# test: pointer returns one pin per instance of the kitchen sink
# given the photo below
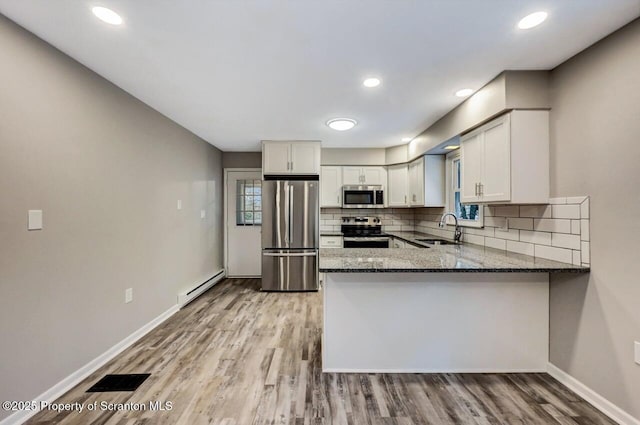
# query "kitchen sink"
(436, 241)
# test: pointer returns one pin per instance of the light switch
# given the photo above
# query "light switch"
(637, 351)
(35, 220)
(179, 204)
(203, 213)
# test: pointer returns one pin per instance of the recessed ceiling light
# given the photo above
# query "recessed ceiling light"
(451, 147)
(107, 15)
(371, 82)
(532, 20)
(342, 124)
(464, 92)
(407, 139)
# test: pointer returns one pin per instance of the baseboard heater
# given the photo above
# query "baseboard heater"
(186, 297)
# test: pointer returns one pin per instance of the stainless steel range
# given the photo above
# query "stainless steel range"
(363, 232)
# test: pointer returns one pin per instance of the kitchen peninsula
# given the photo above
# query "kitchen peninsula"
(442, 308)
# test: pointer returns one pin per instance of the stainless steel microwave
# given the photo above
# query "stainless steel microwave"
(362, 196)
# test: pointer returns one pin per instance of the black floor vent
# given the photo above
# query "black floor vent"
(128, 382)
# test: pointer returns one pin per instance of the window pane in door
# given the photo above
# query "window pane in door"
(249, 202)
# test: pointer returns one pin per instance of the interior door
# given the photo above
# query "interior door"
(244, 219)
(471, 156)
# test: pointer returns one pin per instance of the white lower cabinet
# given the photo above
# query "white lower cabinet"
(396, 243)
(330, 241)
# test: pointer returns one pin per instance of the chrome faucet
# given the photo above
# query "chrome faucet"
(458, 233)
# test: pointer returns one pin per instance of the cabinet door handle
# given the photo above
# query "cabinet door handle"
(338, 199)
(476, 193)
(481, 188)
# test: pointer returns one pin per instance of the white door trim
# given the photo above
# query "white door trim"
(224, 184)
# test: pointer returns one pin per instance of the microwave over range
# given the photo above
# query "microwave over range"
(362, 196)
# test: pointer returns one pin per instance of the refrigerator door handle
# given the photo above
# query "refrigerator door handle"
(290, 213)
(290, 254)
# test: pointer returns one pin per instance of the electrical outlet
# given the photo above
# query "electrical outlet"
(179, 204)
(637, 352)
(203, 213)
(34, 221)
(505, 224)
(128, 295)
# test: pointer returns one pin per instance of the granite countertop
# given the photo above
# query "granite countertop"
(435, 258)
(331, 233)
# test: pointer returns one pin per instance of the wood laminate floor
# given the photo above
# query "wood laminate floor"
(238, 356)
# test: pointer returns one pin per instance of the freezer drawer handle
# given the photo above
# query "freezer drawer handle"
(294, 254)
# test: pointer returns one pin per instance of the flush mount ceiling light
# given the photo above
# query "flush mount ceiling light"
(464, 92)
(407, 139)
(371, 82)
(107, 15)
(342, 124)
(451, 147)
(532, 20)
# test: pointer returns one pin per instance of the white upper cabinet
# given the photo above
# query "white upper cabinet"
(351, 175)
(290, 157)
(426, 180)
(397, 188)
(507, 160)
(331, 186)
(416, 182)
(364, 176)
(275, 157)
(374, 175)
(305, 158)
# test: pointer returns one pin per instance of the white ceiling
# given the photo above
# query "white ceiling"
(236, 72)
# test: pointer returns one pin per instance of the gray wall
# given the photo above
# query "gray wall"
(107, 170)
(353, 156)
(242, 160)
(509, 90)
(595, 150)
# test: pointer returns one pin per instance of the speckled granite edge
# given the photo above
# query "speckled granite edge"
(462, 258)
(453, 270)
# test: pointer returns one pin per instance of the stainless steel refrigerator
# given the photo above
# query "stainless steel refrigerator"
(290, 234)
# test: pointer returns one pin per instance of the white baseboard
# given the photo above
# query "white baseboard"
(357, 370)
(189, 295)
(598, 401)
(76, 377)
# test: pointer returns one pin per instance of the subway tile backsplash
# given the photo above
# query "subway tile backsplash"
(393, 219)
(558, 231)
